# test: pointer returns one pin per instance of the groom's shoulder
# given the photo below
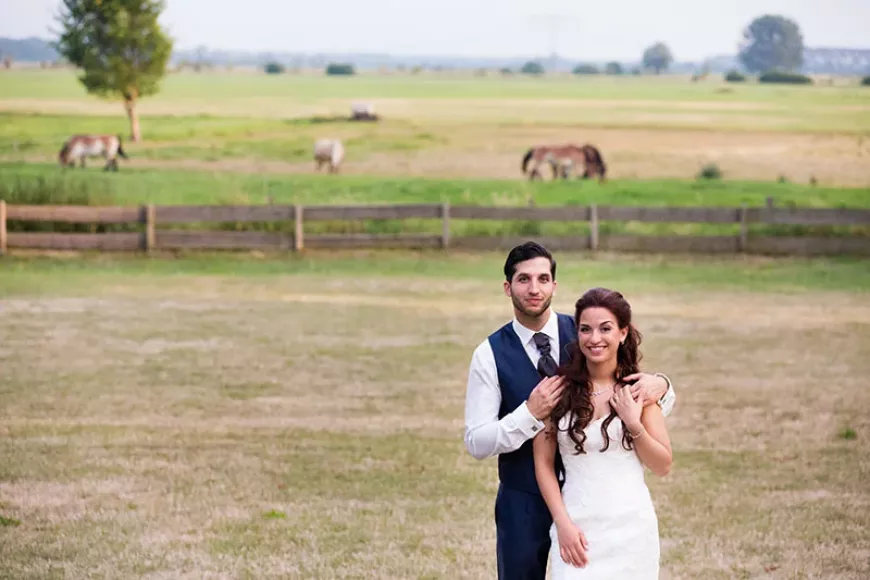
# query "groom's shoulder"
(565, 317)
(485, 346)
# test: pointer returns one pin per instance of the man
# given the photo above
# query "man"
(511, 389)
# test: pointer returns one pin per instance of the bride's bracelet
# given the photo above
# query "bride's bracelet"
(639, 433)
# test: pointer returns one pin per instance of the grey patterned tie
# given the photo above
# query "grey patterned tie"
(546, 364)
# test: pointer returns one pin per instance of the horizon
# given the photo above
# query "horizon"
(504, 29)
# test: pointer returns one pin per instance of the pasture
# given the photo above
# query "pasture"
(458, 127)
(260, 416)
(221, 416)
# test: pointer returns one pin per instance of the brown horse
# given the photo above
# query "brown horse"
(79, 147)
(563, 158)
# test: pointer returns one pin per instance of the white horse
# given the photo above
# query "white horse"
(79, 147)
(329, 151)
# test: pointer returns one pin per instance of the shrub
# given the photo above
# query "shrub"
(613, 68)
(865, 82)
(710, 171)
(273, 68)
(340, 69)
(735, 76)
(586, 69)
(532, 68)
(785, 78)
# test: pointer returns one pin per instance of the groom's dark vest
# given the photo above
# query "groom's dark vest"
(516, 378)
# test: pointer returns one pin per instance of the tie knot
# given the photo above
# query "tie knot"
(542, 341)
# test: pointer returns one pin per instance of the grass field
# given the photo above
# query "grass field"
(262, 416)
(242, 417)
(648, 128)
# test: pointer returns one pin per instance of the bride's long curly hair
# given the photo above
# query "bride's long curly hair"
(576, 399)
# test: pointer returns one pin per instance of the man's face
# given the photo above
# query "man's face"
(532, 287)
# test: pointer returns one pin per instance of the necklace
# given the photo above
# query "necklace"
(596, 393)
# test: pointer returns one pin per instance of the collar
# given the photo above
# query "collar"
(551, 329)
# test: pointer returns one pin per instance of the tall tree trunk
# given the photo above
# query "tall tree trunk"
(135, 133)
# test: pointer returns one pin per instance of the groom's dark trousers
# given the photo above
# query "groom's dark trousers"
(522, 523)
(522, 520)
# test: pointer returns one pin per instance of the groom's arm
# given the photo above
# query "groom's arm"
(655, 388)
(485, 434)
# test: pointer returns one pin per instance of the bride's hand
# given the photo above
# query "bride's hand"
(626, 407)
(572, 544)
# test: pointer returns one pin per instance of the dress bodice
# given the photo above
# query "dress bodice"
(597, 479)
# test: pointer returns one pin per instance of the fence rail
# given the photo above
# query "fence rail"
(148, 219)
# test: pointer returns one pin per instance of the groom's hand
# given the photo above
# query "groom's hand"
(545, 396)
(647, 388)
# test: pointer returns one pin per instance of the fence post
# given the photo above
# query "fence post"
(298, 238)
(744, 228)
(150, 233)
(445, 224)
(2, 227)
(593, 227)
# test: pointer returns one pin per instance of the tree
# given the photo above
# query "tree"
(586, 69)
(613, 68)
(772, 42)
(657, 57)
(532, 68)
(340, 69)
(201, 62)
(273, 68)
(119, 46)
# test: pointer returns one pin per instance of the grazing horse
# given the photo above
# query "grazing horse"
(329, 151)
(563, 158)
(79, 147)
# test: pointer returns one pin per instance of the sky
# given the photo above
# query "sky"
(581, 29)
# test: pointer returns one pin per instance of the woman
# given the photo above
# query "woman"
(604, 522)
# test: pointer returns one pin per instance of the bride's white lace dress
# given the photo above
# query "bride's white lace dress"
(606, 496)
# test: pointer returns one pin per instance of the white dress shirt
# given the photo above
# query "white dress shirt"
(485, 434)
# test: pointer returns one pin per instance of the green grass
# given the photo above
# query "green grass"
(34, 84)
(21, 276)
(170, 187)
(667, 102)
(31, 183)
(208, 138)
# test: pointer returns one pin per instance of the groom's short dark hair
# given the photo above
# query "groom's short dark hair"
(524, 252)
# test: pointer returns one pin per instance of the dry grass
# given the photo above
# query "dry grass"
(202, 427)
(496, 152)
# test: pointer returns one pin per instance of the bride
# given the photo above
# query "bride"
(604, 522)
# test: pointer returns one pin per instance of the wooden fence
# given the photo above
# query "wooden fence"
(150, 236)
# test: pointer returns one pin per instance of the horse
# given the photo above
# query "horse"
(329, 151)
(363, 112)
(562, 159)
(79, 147)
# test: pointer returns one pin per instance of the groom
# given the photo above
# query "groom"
(511, 389)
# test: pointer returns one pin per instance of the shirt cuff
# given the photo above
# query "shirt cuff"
(526, 422)
(669, 398)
